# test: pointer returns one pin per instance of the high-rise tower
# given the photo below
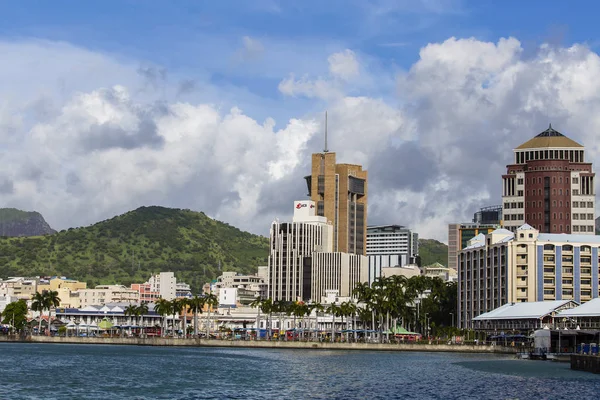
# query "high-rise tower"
(340, 193)
(550, 186)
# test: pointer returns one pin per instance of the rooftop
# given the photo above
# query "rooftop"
(528, 310)
(549, 138)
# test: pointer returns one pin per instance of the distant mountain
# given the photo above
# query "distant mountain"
(130, 247)
(15, 222)
(431, 251)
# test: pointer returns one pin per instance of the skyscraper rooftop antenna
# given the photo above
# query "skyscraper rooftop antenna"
(325, 150)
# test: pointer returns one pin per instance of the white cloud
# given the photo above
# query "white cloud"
(87, 137)
(343, 65)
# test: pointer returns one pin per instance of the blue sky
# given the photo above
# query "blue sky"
(202, 40)
(92, 92)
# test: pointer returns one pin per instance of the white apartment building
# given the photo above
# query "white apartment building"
(165, 284)
(254, 283)
(390, 246)
(105, 294)
(19, 287)
(302, 264)
(505, 267)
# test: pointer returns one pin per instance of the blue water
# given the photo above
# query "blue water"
(52, 371)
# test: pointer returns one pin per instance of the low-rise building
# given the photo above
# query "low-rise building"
(104, 294)
(19, 287)
(437, 270)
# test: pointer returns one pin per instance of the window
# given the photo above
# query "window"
(575, 216)
(590, 228)
(560, 215)
(575, 204)
(520, 181)
(519, 193)
(582, 216)
(554, 203)
(590, 216)
(506, 205)
(575, 192)
(575, 179)
(590, 204)
(520, 204)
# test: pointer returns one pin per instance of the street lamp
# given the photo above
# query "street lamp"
(452, 314)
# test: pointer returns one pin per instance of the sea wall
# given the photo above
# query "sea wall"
(587, 363)
(262, 344)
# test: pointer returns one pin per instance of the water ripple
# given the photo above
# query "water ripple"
(34, 371)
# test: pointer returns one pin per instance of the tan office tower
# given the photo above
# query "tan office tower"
(340, 192)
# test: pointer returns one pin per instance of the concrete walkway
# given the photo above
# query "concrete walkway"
(263, 344)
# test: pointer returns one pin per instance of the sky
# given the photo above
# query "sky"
(216, 106)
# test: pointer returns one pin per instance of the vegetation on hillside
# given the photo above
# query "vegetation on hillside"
(130, 247)
(432, 251)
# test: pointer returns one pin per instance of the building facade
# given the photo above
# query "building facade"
(105, 294)
(491, 215)
(549, 186)
(340, 195)
(460, 234)
(337, 272)
(390, 246)
(292, 245)
(525, 266)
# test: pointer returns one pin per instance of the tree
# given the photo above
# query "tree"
(184, 304)
(334, 310)
(51, 300)
(38, 305)
(15, 314)
(130, 311)
(140, 311)
(256, 303)
(196, 303)
(163, 307)
(210, 300)
(266, 306)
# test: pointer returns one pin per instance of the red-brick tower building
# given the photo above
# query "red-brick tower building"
(550, 186)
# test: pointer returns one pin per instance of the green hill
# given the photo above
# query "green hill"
(130, 247)
(431, 251)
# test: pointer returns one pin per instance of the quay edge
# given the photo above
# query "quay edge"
(262, 344)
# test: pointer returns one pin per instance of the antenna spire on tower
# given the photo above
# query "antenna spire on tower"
(325, 150)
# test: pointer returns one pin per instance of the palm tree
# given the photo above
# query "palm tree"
(163, 307)
(266, 306)
(130, 311)
(334, 310)
(140, 311)
(184, 302)
(318, 308)
(38, 305)
(51, 300)
(347, 309)
(196, 303)
(256, 303)
(176, 306)
(210, 300)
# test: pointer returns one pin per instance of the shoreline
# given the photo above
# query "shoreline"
(252, 344)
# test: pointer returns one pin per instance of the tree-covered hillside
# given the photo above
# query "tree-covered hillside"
(431, 251)
(130, 247)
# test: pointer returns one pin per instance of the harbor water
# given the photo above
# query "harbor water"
(55, 371)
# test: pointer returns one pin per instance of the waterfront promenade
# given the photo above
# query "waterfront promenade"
(156, 341)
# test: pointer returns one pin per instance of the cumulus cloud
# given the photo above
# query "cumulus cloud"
(343, 64)
(92, 142)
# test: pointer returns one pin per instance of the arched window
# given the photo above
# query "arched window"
(549, 247)
(567, 247)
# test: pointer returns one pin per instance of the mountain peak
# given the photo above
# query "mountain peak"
(14, 222)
